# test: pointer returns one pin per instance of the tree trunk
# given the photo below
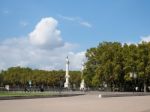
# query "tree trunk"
(145, 86)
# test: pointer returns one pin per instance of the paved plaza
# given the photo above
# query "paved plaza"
(83, 103)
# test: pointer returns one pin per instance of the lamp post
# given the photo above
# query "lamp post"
(133, 75)
(60, 85)
(30, 84)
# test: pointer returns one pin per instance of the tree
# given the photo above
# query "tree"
(144, 62)
(105, 63)
(1, 78)
(17, 76)
(112, 63)
(90, 66)
(75, 79)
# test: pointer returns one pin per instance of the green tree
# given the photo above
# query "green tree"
(144, 62)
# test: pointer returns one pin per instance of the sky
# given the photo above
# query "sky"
(41, 33)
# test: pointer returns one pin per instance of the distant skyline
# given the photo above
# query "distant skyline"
(41, 33)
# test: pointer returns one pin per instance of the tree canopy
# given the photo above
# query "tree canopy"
(112, 64)
(17, 76)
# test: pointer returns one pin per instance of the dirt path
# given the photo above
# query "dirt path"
(85, 103)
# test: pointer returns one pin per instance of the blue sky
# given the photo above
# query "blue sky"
(83, 23)
(111, 20)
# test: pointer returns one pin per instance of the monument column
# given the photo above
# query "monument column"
(66, 84)
(82, 84)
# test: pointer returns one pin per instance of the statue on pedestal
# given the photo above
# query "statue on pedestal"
(66, 84)
(82, 84)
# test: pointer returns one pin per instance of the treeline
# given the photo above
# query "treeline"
(110, 65)
(118, 66)
(17, 76)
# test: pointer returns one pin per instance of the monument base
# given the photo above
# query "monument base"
(82, 85)
(66, 85)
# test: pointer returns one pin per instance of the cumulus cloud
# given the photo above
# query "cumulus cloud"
(142, 39)
(76, 59)
(43, 48)
(46, 34)
(145, 38)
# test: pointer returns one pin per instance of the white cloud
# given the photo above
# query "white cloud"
(145, 38)
(142, 39)
(77, 20)
(46, 34)
(49, 54)
(129, 43)
(67, 18)
(76, 59)
(86, 24)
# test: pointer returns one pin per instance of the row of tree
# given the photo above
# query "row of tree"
(110, 65)
(17, 76)
(119, 66)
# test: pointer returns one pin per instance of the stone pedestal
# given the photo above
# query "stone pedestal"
(82, 85)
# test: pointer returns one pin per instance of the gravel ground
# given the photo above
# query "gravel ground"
(84, 103)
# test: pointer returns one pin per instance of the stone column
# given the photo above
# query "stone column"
(66, 84)
(82, 84)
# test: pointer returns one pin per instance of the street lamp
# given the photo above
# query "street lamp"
(133, 75)
(30, 84)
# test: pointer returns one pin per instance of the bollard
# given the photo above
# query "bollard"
(99, 96)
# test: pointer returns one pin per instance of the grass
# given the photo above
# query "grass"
(21, 93)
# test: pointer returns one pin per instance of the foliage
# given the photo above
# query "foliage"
(17, 76)
(112, 63)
